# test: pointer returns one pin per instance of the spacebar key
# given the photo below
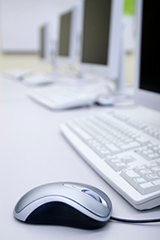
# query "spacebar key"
(79, 131)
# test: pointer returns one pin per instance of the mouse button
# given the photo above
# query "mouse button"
(92, 194)
(105, 199)
(84, 189)
(87, 191)
(92, 205)
(74, 193)
(97, 197)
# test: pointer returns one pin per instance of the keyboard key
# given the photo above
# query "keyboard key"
(79, 131)
(137, 181)
(128, 159)
(129, 175)
(116, 164)
(119, 166)
(156, 170)
(130, 146)
(148, 187)
(157, 183)
(137, 169)
(112, 148)
(153, 156)
(144, 172)
(151, 177)
(142, 140)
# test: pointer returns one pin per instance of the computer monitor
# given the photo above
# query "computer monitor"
(101, 37)
(147, 90)
(45, 43)
(68, 37)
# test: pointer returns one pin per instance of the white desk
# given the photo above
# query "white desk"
(33, 152)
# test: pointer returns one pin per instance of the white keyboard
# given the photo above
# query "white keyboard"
(18, 74)
(58, 96)
(38, 79)
(125, 152)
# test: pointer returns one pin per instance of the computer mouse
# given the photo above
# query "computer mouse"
(105, 100)
(65, 203)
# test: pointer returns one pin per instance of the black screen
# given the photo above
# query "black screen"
(150, 47)
(65, 29)
(96, 31)
(42, 42)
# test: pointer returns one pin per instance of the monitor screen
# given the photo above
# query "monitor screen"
(147, 87)
(64, 37)
(150, 50)
(68, 36)
(101, 37)
(45, 43)
(96, 31)
(42, 42)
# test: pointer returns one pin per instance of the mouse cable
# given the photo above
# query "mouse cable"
(135, 220)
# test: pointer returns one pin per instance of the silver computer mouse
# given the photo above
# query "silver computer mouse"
(65, 203)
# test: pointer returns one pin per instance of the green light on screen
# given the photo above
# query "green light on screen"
(129, 7)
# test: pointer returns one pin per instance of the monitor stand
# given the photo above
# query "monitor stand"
(119, 94)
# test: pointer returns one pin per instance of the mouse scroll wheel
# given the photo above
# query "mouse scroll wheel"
(92, 194)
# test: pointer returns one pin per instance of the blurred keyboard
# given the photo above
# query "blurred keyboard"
(38, 79)
(59, 96)
(18, 74)
(124, 151)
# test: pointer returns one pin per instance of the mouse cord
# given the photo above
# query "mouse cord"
(135, 220)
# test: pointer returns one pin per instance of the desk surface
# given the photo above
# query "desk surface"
(34, 152)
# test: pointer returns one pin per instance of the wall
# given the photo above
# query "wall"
(21, 19)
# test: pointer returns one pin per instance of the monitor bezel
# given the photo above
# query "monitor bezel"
(112, 69)
(143, 97)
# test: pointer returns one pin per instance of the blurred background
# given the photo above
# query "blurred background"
(20, 21)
